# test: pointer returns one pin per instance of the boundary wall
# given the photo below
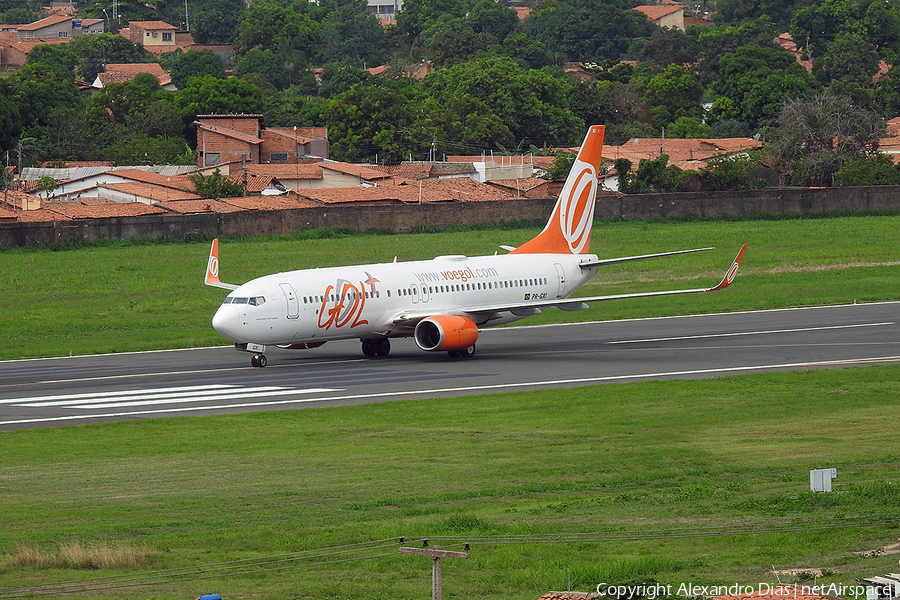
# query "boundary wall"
(401, 218)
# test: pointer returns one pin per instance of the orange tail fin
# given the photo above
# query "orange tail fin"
(569, 229)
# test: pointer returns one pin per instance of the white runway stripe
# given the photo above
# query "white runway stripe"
(151, 397)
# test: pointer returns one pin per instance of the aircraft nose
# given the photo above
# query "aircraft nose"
(227, 322)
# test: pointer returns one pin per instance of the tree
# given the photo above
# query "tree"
(418, 16)
(492, 17)
(817, 136)
(96, 51)
(271, 27)
(208, 95)
(339, 77)
(669, 46)
(37, 89)
(532, 104)
(677, 91)
(264, 62)
(755, 82)
(58, 56)
(735, 12)
(353, 34)
(731, 172)
(216, 186)
(688, 128)
(465, 125)
(849, 58)
(453, 47)
(146, 150)
(195, 63)
(877, 169)
(10, 123)
(562, 164)
(214, 21)
(572, 29)
(369, 121)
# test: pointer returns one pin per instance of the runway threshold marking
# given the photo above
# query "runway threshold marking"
(157, 396)
(743, 333)
(478, 388)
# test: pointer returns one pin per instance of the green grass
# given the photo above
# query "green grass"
(189, 492)
(615, 458)
(121, 297)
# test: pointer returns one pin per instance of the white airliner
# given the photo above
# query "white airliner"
(441, 303)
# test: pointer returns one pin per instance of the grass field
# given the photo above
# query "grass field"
(624, 462)
(138, 297)
(616, 459)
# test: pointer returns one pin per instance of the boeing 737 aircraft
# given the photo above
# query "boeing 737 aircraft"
(441, 303)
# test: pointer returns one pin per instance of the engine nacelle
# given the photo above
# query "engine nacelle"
(446, 332)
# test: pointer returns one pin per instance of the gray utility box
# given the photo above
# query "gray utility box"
(820, 479)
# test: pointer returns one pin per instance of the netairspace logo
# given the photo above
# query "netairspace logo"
(651, 591)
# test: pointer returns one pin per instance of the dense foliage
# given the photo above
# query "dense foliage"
(498, 82)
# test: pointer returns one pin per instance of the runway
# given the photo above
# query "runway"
(88, 389)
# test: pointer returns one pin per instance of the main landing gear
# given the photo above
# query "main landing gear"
(464, 353)
(376, 347)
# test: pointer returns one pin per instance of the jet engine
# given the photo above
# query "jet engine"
(446, 332)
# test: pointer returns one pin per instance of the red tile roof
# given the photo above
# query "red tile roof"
(178, 182)
(229, 133)
(286, 202)
(430, 190)
(654, 13)
(361, 172)
(128, 209)
(285, 172)
(150, 192)
(198, 206)
(47, 22)
(157, 25)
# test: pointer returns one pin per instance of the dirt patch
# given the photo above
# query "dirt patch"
(889, 549)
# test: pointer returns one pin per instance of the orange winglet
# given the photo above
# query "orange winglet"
(731, 272)
(569, 229)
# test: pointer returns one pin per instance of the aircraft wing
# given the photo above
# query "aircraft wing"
(624, 259)
(581, 303)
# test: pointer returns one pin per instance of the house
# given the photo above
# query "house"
(151, 33)
(686, 154)
(664, 15)
(385, 9)
(60, 26)
(14, 52)
(497, 167)
(244, 138)
(120, 73)
(291, 176)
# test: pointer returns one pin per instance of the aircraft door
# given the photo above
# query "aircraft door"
(293, 302)
(561, 274)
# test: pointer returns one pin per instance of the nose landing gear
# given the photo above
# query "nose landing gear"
(258, 360)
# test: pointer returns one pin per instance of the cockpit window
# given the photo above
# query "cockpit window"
(255, 301)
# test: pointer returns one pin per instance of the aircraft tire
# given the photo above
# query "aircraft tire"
(368, 347)
(382, 346)
(467, 352)
(258, 360)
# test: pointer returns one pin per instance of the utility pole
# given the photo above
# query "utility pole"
(436, 555)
